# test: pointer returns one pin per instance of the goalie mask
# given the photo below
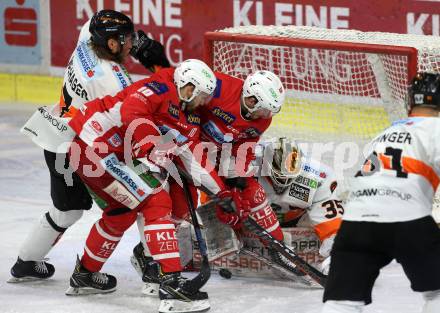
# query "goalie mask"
(267, 88)
(285, 165)
(199, 74)
(424, 91)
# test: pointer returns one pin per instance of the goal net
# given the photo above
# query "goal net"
(343, 86)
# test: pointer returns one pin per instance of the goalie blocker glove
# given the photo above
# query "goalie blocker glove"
(149, 52)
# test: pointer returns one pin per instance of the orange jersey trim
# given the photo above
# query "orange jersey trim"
(328, 228)
(204, 198)
(413, 166)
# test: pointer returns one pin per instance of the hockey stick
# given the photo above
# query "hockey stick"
(279, 270)
(287, 252)
(205, 270)
(277, 245)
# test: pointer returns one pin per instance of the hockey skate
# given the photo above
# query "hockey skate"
(151, 279)
(84, 282)
(177, 295)
(25, 271)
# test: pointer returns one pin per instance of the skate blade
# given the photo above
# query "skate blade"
(15, 280)
(136, 265)
(83, 291)
(177, 306)
(150, 289)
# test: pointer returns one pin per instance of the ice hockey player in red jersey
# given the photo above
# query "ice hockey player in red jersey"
(389, 209)
(239, 113)
(234, 120)
(150, 121)
(95, 69)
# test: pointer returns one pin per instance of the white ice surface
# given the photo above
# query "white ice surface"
(24, 197)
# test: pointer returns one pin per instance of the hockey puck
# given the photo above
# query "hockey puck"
(225, 273)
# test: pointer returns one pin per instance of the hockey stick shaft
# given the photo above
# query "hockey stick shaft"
(205, 270)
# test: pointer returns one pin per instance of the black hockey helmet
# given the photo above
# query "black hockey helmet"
(107, 24)
(424, 91)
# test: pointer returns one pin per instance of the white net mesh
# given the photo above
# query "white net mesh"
(341, 96)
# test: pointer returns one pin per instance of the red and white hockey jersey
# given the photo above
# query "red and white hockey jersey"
(398, 180)
(310, 200)
(87, 77)
(131, 121)
(222, 123)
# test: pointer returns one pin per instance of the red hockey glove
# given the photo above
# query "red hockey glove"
(237, 211)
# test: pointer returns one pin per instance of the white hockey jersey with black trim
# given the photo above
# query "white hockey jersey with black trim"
(86, 77)
(313, 193)
(399, 178)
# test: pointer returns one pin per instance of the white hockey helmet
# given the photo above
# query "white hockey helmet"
(267, 88)
(285, 164)
(197, 73)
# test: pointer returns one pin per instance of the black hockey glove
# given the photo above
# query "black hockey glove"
(236, 182)
(149, 52)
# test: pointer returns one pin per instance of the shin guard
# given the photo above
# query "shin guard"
(100, 245)
(160, 236)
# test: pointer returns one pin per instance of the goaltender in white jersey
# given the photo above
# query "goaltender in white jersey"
(303, 193)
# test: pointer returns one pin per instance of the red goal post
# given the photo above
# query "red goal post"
(211, 37)
(331, 71)
(343, 86)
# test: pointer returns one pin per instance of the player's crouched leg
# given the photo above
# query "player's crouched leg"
(176, 293)
(102, 241)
